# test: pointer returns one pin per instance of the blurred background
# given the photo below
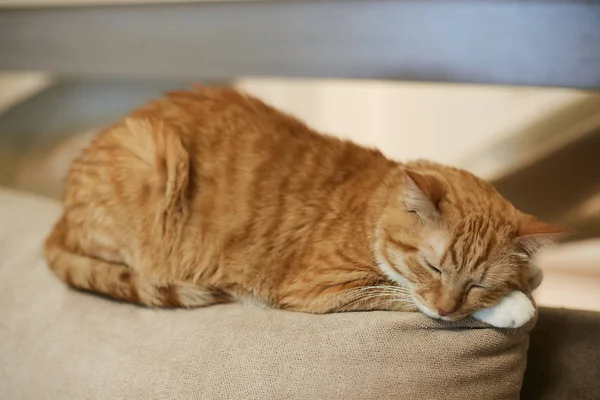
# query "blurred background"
(537, 141)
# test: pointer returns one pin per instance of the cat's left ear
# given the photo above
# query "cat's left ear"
(534, 234)
(423, 194)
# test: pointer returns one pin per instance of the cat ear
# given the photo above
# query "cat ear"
(534, 234)
(422, 194)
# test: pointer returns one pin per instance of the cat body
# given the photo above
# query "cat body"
(211, 196)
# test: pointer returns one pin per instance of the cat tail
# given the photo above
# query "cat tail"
(118, 281)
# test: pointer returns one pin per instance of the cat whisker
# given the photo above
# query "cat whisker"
(391, 301)
(386, 289)
(391, 287)
(355, 297)
(363, 294)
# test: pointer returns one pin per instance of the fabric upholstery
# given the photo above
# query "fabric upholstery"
(56, 343)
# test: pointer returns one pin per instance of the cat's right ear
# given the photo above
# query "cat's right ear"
(534, 234)
(423, 194)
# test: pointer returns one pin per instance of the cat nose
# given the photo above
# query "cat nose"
(443, 312)
(445, 309)
(446, 304)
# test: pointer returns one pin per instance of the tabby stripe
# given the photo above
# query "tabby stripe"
(346, 258)
(389, 262)
(220, 296)
(127, 279)
(168, 296)
(403, 246)
(486, 253)
(452, 250)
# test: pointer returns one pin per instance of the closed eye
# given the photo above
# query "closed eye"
(431, 267)
(477, 286)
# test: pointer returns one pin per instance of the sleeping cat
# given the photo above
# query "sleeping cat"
(211, 196)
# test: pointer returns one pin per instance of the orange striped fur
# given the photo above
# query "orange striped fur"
(211, 196)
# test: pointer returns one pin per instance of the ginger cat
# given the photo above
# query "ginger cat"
(211, 196)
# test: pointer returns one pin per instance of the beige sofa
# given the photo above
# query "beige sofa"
(56, 343)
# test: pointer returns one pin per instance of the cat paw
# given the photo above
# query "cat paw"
(513, 311)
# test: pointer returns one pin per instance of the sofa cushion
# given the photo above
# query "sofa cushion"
(56, 343)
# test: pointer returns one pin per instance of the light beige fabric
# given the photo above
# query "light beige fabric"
(59, 344)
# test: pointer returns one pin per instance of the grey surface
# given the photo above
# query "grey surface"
(544, 42)
(70, 107)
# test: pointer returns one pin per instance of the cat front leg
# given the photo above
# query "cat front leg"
(513, 311)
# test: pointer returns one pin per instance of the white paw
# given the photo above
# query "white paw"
(513, 311)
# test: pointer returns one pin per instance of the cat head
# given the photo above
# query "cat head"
(455, 241)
